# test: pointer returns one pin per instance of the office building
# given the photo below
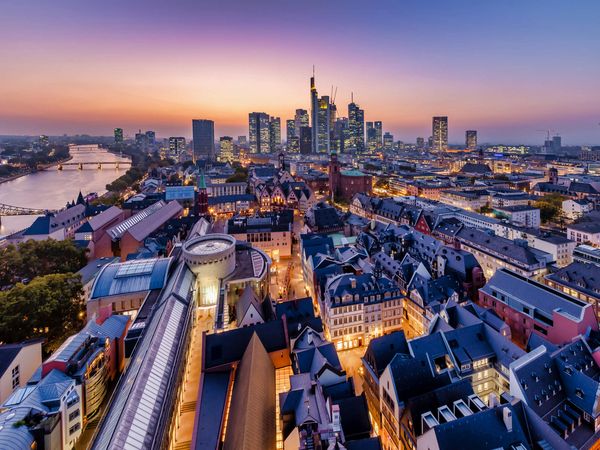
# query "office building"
(341, 135)
(420, 143)
(356, 125)
(226, 149)
(440, 134)
(388, 141)
(259, 132)
(150, 137)
(305, 140)
(176, 147)
(471, 140)
(274, 134)
(371, 137)
(321, 120)
(292, 138)
(300, 120)
(378, 133)
(203, 132)
(118, 135)
(242, 142)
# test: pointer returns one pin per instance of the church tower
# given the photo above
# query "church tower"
(202, 194)
(334, 175)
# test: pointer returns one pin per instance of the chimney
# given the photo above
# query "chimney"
(507, 417)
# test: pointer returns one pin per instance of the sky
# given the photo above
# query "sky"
(506, 68)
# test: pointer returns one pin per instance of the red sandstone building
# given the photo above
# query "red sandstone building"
(344, 184)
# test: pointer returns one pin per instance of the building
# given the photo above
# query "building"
(305, 140)
(440, 134)
(18, 362)
(95, 228)
(270, 232)
(292, 138)
(58, 226)
(226, 149)
(118, 132)
(259, 132)
(585, 233)
(388, 141)
(203, 135)
(471, 140)
(356, 127)
(274, 134)
(321, 113)
(378, 133)
(323, 218)
(530, 307)
(344, 184)
(300, 120)
(574, 209)
(520, 215)
(579, 280)
(358, 308)
(177, 146)
(560, 385)
(587, 254)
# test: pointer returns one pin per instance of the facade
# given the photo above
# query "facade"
(58, 226)
(585, 233)
(388, 141)
(226, 149)
(520, 215)
(345, 184)
(272, 233)
(274, 134)
(321, 112)
(259, 132)
(177, 147)
(203, 135)
(471, 140)
(574, 209)
(440, 134)
(528, 306)
(356, 127)
(18, 362)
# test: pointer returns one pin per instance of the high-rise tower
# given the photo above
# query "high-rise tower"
(356, 125)
(440, 134)
(320, 119)
(203, 132)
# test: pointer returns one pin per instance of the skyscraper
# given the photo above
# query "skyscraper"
(176, 147)
(242, 141)
(371, 137)
(292, 139)
(118, 135)
(420, 143)
(379, 133)
(356, 125)
(320, 119)
(226, 149)
(274, 134)
(305, 140)
(259, 133)
(151, 137)
(440, 134)
(300, 120)
(203, 134)
(556, 144)
(471, 140)
(388, 141)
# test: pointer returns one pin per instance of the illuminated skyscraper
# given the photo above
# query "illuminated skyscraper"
(259, 133)
(440, 134)
(356, 125)
(176, 147)
(226, 149)
(379, 133)
(118, 135)
(203, 134)
(300, 120)
(371, 137)
(292, 139)
(320, 119)
(274, 134)
(388, 141)
(471, 140)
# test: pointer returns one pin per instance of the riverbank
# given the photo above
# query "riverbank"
(40, 168)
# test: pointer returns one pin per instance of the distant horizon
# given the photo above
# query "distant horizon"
(507, 70)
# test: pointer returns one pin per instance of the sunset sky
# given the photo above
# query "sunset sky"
(506, 68)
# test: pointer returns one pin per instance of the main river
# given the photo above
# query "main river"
(53, 188)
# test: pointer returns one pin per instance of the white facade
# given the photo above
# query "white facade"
(574, 209)
(582, 236)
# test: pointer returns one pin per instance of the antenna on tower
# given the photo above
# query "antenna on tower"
(351, 97)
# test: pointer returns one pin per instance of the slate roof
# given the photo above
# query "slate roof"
(381, 350)
(580, 276)
(586, 227)
(476, 168)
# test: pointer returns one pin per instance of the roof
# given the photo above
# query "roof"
(381, 350)
(101, 219)
(536, 295)
(586, 227)
(231, 198)
(353, 173)
(91, 269)
(222, 349)
(151, 223)
(580, 276)
(209, 417)
(8, 353)
(131, 276)
(251, 421)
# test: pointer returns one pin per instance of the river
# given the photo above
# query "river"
(53, 188)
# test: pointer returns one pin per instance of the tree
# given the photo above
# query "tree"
(50, 307)
(550, 207)
(31, 259)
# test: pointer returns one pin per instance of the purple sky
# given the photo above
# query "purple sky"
(505, 68)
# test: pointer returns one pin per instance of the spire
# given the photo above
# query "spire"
(80, 200)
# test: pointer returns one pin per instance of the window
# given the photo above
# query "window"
(74, 428)
(74, 415)
(16, 378)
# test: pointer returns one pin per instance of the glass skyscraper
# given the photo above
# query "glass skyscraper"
(356, 125)
(203, 134)
(274, 134)
(440, 134)
(471, 140)
(259, 132)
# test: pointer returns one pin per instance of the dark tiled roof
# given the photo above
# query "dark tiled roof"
(580, 276)
(381, 350)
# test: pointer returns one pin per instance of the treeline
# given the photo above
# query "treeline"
(140, 163)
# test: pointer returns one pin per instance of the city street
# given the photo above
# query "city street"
(352, 364)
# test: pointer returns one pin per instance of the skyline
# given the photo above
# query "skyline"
(505, 70)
